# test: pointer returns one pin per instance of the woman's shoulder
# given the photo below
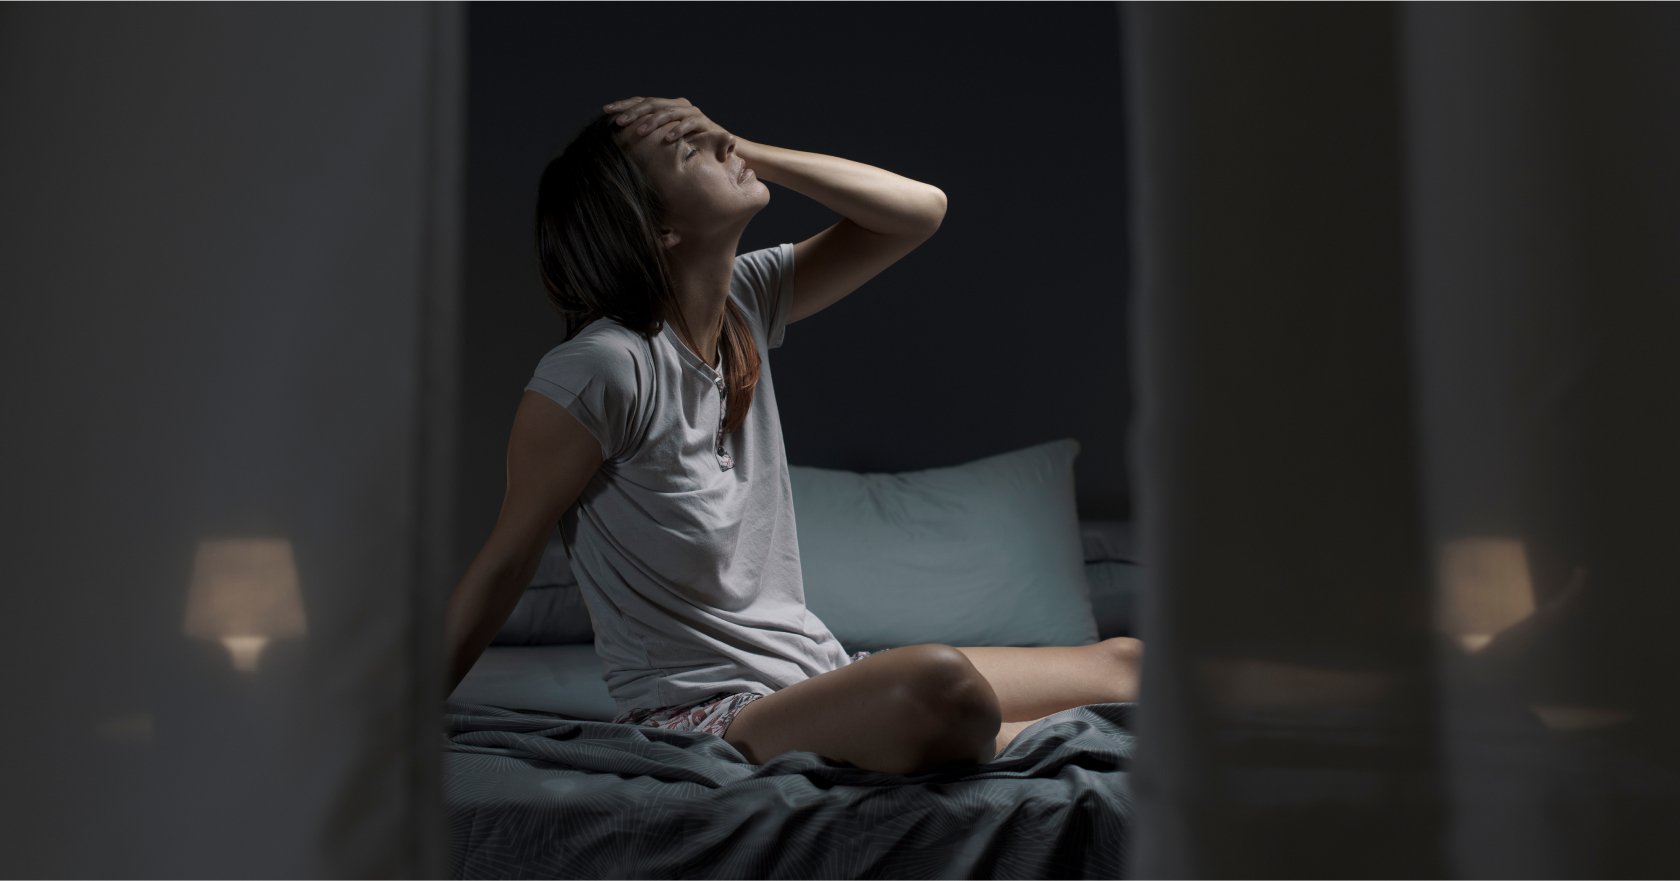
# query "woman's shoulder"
(604, 347)
(605, 336)
(761, 281)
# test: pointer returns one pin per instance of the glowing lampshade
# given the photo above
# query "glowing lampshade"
(1483, 587)
(244, 593)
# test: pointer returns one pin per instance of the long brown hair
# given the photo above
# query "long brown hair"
(599, 255)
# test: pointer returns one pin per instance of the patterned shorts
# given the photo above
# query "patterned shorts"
(711, 715)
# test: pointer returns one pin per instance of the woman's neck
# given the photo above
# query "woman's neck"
(707, 333)
(702, 291)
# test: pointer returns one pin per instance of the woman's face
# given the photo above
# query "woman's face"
(698, 177)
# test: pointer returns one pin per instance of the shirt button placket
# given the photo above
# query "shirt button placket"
(724, 459)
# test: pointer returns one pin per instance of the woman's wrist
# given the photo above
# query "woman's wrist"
(871, 197)
(754, 154)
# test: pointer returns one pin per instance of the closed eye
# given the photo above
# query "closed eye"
(690, 153)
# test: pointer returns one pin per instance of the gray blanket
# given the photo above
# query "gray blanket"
(535, 795)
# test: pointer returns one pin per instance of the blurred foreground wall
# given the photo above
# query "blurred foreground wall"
(227, 250)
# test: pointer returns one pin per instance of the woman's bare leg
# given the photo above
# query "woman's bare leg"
(910, 709)
(1007, 732)
(1031, 683)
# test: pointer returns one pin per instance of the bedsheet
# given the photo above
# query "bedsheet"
(540, 795)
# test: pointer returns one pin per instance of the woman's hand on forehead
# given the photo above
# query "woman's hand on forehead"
(650, 114)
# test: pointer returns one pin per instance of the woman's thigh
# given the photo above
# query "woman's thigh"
(908, 709)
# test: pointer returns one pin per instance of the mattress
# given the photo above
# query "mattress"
(563, 679)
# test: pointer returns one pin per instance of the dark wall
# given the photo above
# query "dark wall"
(1008, 328)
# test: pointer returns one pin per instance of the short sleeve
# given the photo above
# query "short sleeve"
(599, 381)
(765, 278)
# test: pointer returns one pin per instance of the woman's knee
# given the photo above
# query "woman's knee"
(959, 711)
(914, 708)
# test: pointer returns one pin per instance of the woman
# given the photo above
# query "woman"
(652, 435)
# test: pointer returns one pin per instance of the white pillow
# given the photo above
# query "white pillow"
(984, 553)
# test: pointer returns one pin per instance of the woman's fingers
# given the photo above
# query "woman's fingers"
(661, 117)
(636, 114)
(640, 108)
(625, 109)
(644, 115)
(692, 120)
(636, 131)
(629, 109)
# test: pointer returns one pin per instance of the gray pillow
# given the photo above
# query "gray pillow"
(1116, 589)
(551, 611)
(1114, 574)
(554, 614)
(547, 614)
(984, 553)
(1108, 540)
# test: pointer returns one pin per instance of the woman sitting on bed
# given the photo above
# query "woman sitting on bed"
(652, 435)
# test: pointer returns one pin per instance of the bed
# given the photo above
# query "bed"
(538, 782)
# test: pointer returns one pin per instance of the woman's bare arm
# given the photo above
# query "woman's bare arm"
(551, 458)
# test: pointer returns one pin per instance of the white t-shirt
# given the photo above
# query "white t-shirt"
(684, 543)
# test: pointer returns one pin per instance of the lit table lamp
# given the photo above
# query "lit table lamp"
(244, 593)
(1483, 587)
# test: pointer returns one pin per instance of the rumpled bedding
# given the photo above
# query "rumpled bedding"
(537, 795)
